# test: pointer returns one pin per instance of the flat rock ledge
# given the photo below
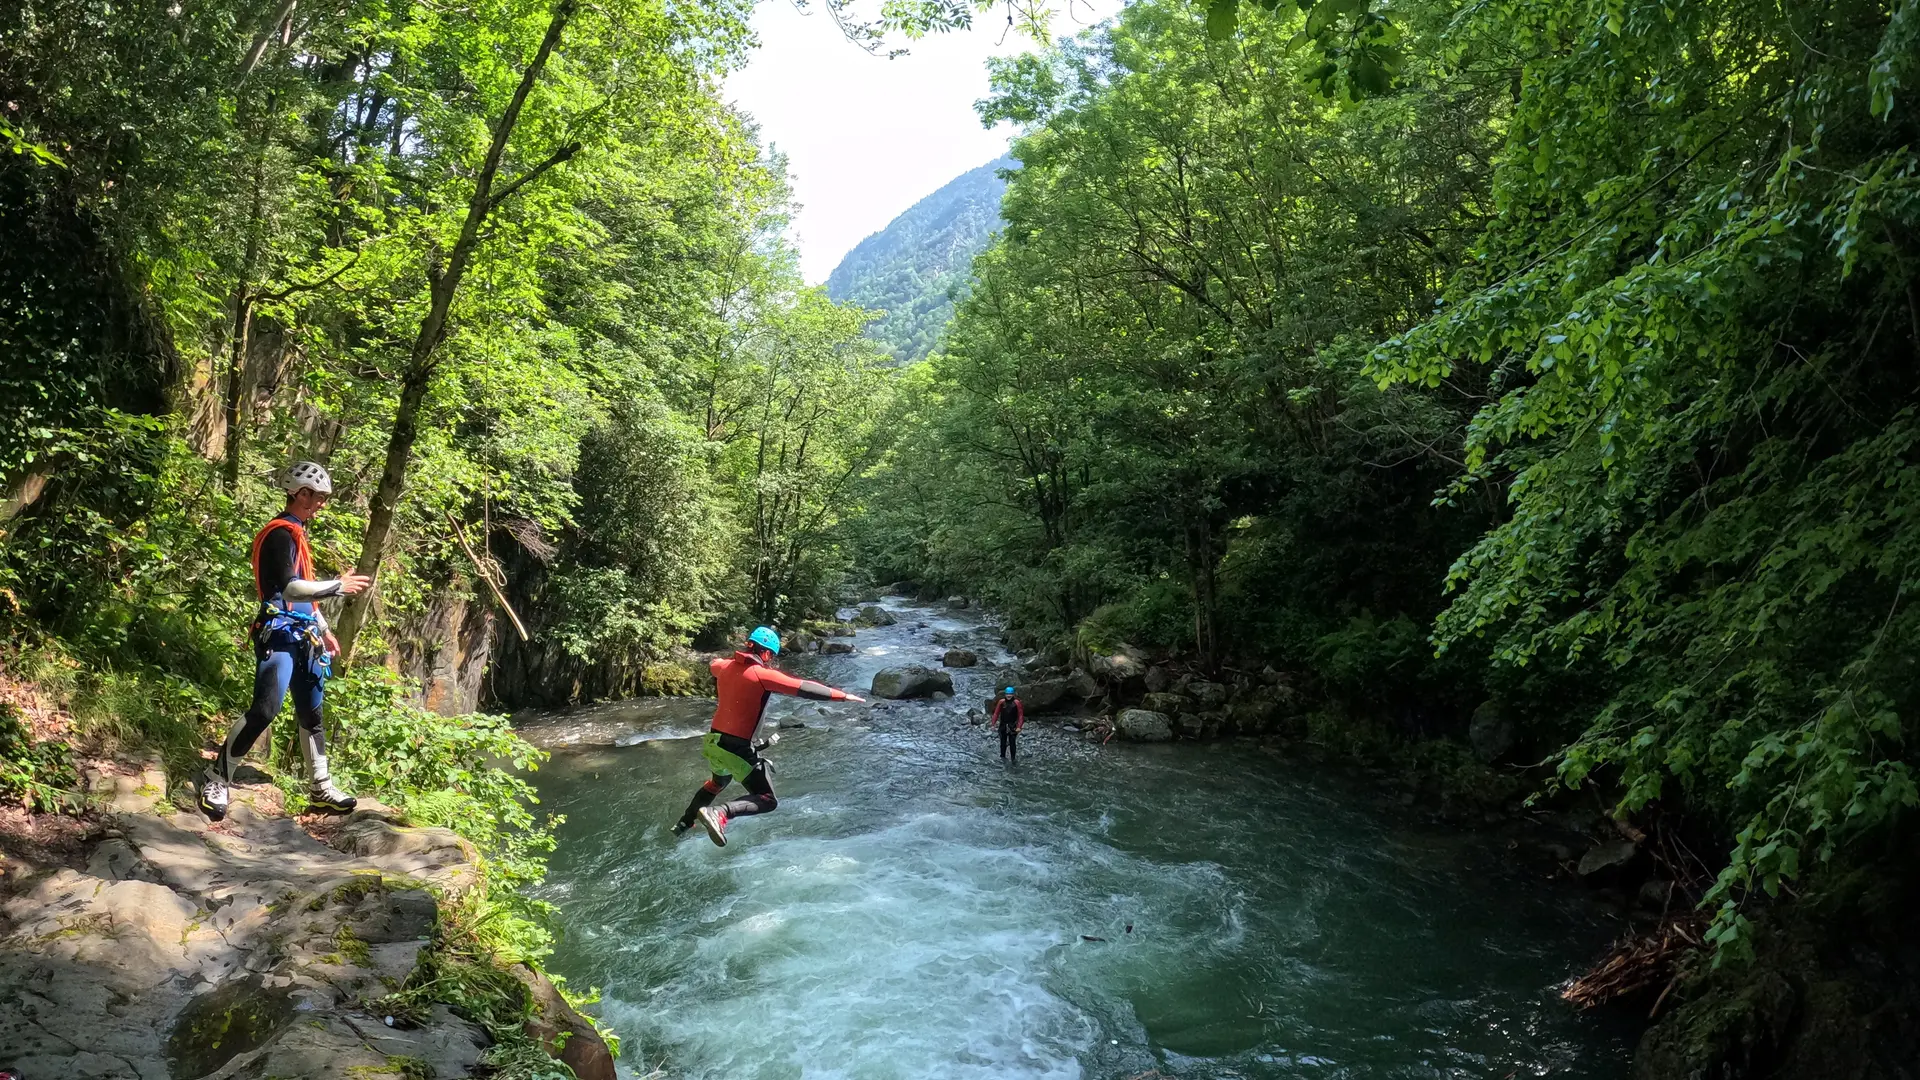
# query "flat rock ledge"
(246, 949)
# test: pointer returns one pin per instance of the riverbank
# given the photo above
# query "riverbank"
(139, 940)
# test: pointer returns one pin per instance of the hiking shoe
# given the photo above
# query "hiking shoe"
(716, 822)
(325, 796)
(213, 795)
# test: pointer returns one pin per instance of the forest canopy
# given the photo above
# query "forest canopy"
(1569, 371)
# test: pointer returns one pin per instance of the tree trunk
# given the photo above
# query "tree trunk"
(422, 362)
(243, 298)
(1200, 567)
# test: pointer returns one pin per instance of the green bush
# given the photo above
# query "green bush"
(464, 773)
(38, 775)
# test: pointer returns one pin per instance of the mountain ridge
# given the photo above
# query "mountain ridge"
(915, 267)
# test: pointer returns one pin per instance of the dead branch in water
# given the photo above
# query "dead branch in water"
(1639, 962)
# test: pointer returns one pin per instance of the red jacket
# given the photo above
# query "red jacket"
(744, 684)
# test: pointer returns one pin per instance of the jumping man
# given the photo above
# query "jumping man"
(291, 644)
(744, 682)
(1009, 715)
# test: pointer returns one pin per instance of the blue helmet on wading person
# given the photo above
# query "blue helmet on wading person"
(766, 639)
(1009, 691)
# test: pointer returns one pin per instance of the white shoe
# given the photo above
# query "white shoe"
(213, 795)
(715, 819)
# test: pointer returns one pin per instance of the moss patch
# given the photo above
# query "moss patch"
(224, 1023)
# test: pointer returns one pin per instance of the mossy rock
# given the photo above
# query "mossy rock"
(225, 1022)
(1732, 1031)
(676, 678)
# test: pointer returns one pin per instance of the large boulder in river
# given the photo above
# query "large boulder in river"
(958, 603)
(1122, 664)
(1210, 695)
(1255, 714)
(1081, 685)
(1171, 704)
(835, 648)
(911, 682)
(1043, 695)
(875, 615)
(1157, 679)
(1057, 695)
(1143, 725)
(960, 658)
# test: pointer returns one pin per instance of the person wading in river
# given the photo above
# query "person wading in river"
(744, 682)
(291, 645)
(1009, 715)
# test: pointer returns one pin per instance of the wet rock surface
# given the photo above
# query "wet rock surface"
(247, 948)
(875, 615)
(1142, 725)
(911, 682)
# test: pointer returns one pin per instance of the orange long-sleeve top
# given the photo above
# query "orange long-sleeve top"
(743, 683)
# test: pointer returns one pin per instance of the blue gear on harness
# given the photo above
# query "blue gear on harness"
(300, 625)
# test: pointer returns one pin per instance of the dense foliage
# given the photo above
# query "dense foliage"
(1156, 386)
(1630, 288)
(514, 268)
(911, 272)
(512, 271)
(1703, 342)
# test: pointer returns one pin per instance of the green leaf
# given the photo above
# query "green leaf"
(1223, 17)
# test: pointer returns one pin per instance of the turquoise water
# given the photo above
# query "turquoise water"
(915, 909)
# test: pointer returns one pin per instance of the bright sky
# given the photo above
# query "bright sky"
(867, 137)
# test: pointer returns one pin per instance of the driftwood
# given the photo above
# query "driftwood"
(1638, 962)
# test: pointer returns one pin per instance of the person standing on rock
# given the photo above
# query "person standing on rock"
(1009, 715)
(743, 683)
(292, 646)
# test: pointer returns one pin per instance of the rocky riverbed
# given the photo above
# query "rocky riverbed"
(156, 945)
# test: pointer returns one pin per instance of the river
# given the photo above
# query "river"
(916, 910)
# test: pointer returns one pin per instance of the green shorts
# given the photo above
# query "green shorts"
(723, 761)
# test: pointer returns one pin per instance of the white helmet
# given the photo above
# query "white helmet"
(308, 474)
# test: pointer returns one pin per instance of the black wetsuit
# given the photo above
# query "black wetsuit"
(1009, 721)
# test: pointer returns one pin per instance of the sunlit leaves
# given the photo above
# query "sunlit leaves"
(1706, 443)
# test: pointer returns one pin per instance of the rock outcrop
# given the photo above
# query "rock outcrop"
(875, 615)
(960, 658)
(566, 1034)
(244, 949)
(190, 950)
(911, 682)
(1142, 725)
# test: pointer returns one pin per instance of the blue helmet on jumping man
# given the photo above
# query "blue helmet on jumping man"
(766, 639)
